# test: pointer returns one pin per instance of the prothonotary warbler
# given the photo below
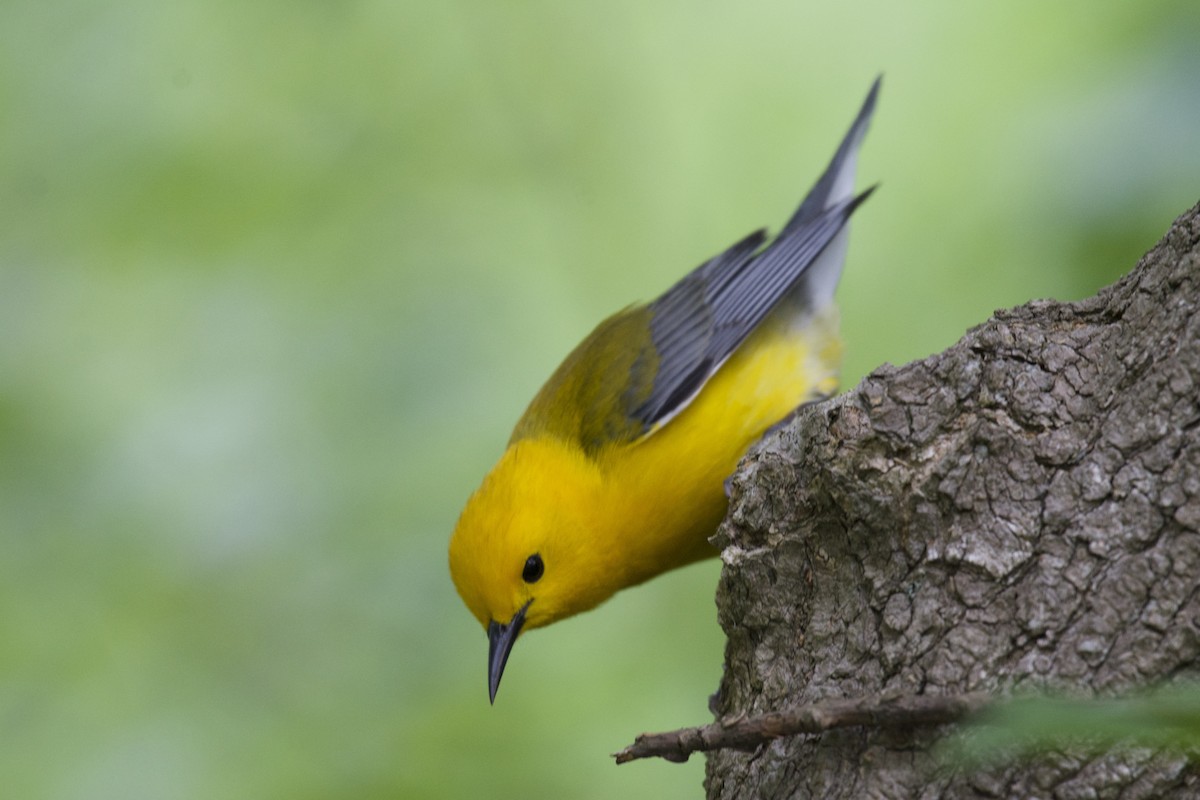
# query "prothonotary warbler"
(616, 471)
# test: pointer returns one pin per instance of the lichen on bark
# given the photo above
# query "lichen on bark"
(1019, 512)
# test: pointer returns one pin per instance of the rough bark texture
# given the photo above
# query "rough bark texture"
(1018, 512)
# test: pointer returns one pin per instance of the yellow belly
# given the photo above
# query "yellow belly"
(669, 486)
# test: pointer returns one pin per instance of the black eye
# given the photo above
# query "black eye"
(533, 569)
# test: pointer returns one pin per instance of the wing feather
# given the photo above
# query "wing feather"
(698, 323)
(645, 364)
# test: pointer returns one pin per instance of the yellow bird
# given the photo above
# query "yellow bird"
(615, 473)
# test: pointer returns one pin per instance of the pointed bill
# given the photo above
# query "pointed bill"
(500, 642)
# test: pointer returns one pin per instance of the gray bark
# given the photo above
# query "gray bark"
(1019, 512)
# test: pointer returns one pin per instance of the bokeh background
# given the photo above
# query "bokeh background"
(276, 279)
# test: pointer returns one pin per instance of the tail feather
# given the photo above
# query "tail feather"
(816, 287)
(837, 182)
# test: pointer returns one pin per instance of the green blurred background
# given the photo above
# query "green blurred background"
(276, 279)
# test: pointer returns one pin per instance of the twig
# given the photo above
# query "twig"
(747, 733)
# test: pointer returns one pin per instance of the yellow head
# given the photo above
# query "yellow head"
(528, 549)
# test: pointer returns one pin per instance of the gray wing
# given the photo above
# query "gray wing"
(698, 323)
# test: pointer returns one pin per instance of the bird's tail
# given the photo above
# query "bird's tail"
(816, 286)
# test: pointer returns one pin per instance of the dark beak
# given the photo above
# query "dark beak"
(500, 642)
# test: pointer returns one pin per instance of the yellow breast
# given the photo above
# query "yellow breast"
(666, 491)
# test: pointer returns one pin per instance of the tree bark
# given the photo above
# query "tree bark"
(1019, 512)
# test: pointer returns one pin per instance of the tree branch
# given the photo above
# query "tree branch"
(1018, 513)
(750, 732)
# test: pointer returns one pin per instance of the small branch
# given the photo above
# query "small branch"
(748, 733)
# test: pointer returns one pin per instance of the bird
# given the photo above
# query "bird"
(616, 471)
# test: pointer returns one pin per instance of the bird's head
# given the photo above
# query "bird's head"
(528, 549)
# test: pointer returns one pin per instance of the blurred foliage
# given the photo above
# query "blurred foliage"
(276, 278)
(1165, 719)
